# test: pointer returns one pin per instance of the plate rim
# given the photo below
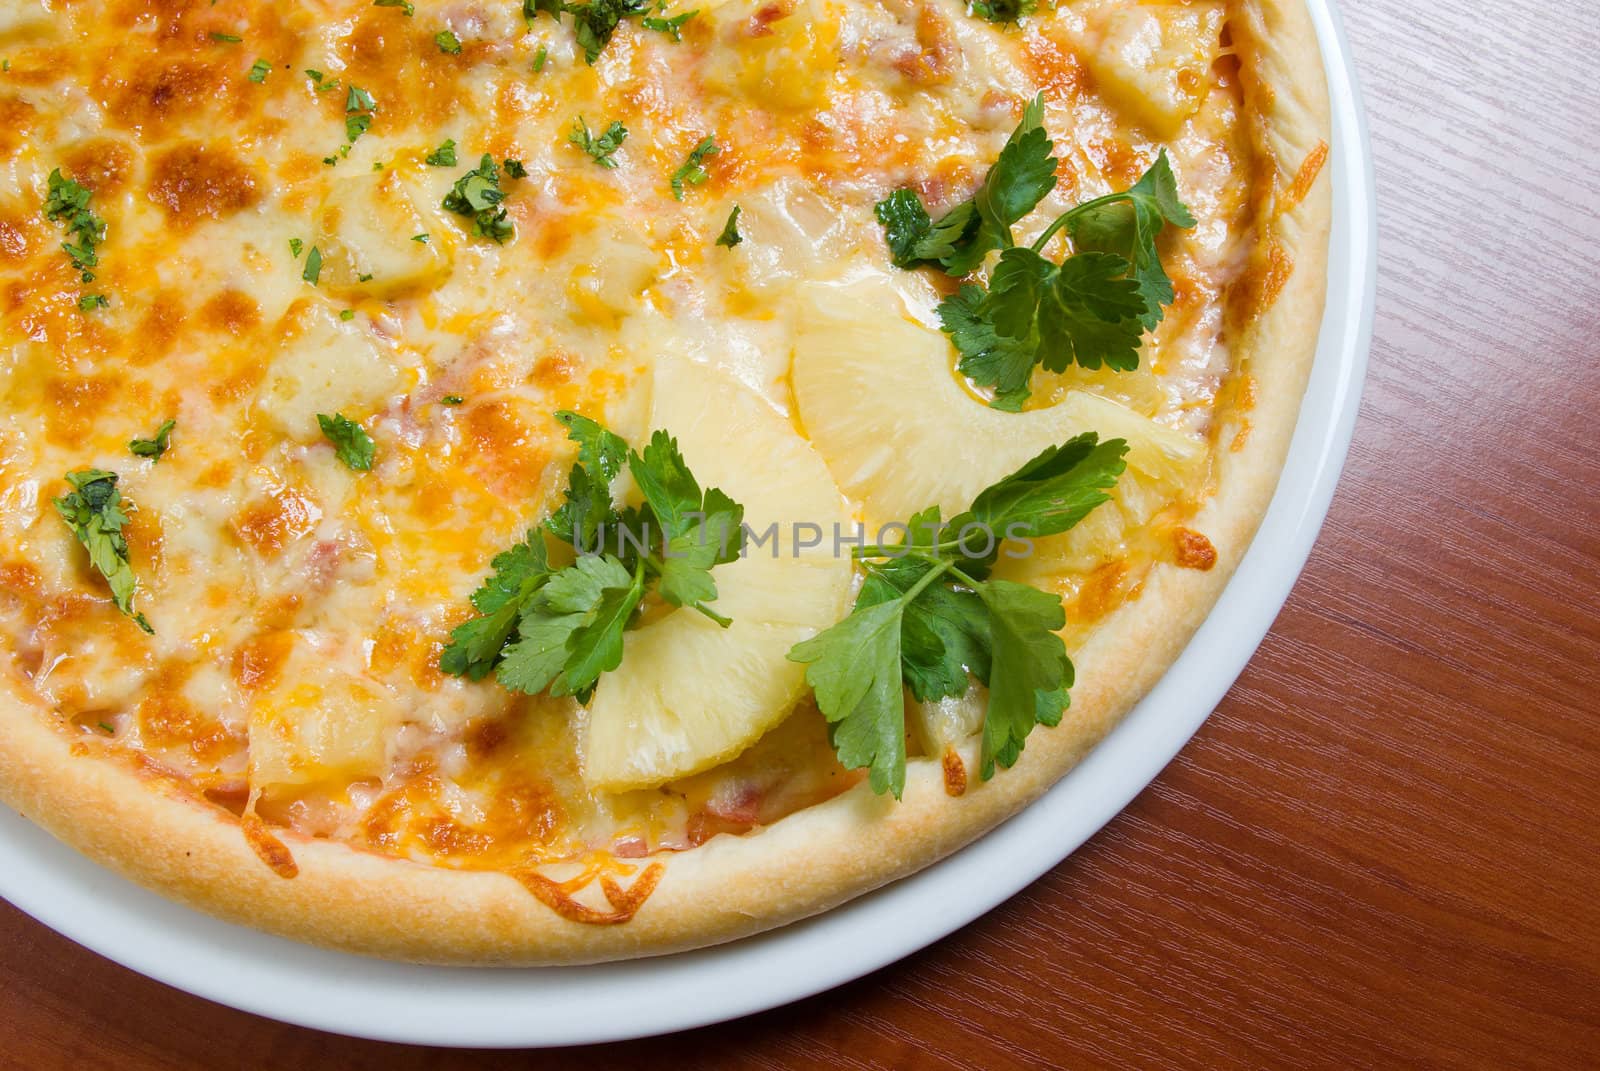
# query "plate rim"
(537, 1007)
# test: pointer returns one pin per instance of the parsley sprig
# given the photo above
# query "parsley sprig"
(556, 630)
(929, 617)
(93, 511)
(1091, 309)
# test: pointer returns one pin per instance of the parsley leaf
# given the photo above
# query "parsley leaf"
(259, 71)
(929, 618)
(443, 156)
(352, 445)
(600, 149)
(698, 529)
(404, 5)
(596, 22)
(518, 575)
(153, 448)
(93, 511)
(313, 269)
(1086, 311)
(673, 27)
(693, 172)
(1002, 10)
(1127, 226)
(448, 43)
(478, 195)
(601, 455)
(856, 674)
(906, 225)
(730, 235)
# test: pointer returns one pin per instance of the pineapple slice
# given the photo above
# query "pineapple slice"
(879, 397)
(1153, 61)
(689, 694)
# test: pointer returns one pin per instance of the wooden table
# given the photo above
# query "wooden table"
(1381, 850)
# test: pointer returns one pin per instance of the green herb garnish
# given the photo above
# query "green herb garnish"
(930, 618)
(1092, 309)
(443, 156)
(730, 235)
(154, 447)
(259, 71)
(93, 510)
(477, 194)
(542, 629)
(352, 445)
(448, 43)
(693, 172)
(601, 149)
(313, 268)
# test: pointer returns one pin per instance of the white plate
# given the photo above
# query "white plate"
(571, 1005)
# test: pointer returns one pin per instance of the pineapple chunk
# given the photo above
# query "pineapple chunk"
(318, 723)
(367, 224)
(689, 694)
(779, 52)
(879, 398)
(325, 365)
(1154, 61)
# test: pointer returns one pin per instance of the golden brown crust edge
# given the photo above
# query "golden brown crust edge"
(734, 886)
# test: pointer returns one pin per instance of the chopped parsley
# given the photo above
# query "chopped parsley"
(448, 43)
(593, 23)
(321, 82)
(672, 27)
(347, 315)
(478, 195)
(693, 172)
(421, 238)
(730, 235)
(352, 445)
(90, 302)
(313, 268)
(453, 399)
(93, 511)
(443, 156)
(539, 58)
(154, 447)
(1002, 10)
(930, 617)
(259, 71)
(68, 202)
(543, 629)
(1092, 309)
(514, 168)
(602, 149)
(295, 246)
(358, 108)
(226, 38)
(404, 5)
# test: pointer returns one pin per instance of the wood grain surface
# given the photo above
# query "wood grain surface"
(1382, 849)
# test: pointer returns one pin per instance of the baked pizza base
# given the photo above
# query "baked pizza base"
(144, 825)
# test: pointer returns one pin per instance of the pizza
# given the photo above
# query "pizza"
(509, 483)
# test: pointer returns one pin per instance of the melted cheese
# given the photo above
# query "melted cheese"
(300, 607)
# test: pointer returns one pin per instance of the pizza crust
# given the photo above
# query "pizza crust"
(155, 833)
